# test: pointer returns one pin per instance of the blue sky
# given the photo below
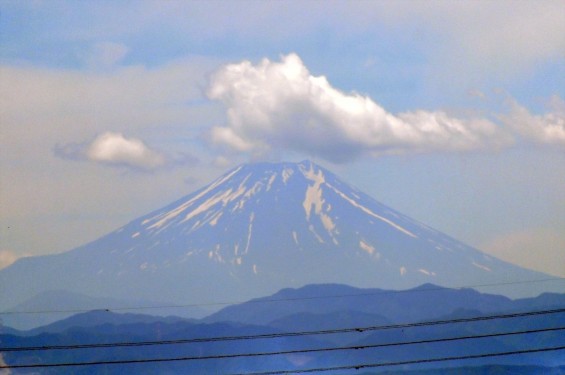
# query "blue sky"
(450, 112)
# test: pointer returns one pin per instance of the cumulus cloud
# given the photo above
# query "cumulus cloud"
(548, 128)
(280, 105)
(113, 149)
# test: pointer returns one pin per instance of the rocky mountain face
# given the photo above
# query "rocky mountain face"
(257, 229)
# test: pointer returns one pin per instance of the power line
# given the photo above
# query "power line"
(359, 366)
(296, 351)
(285, 334)
(411, 362)
(267, 300)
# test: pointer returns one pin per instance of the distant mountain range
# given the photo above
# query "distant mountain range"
(427, 301)
(307, 309)
(255, 230)
(55, 305)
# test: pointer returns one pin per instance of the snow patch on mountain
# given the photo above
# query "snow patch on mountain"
(271, 181)
(286, 174)
(222, 197)
(257, 229)
(314, 200)
(368, 211)
(215, 218)
(295, 237)
(313, 192)
(168, 216)
(366, 247)
(481, 266)
(249, 230)
(426, 272)
(313, 231)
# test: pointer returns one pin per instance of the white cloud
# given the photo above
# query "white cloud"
(548, 128)
(280, 105)
(163, 105)
(114, 148)
(41, 107)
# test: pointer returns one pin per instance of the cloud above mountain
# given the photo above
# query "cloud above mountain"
(281, 105)
(548, 128)
(114, 149)
(117, 150)
(275, 106)
(71, 71)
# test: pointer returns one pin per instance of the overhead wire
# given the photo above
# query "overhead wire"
(288, 334)
(408, 362)
(284, 352)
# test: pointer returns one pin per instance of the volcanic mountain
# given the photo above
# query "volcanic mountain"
(257, 229)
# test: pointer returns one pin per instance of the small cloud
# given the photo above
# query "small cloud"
(281, 106)
(548, 128)
(114, 149)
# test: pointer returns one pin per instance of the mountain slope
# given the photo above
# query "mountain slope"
(253, 231)
(426, 302)
(63, 304)
(368, 345)
(140, 331)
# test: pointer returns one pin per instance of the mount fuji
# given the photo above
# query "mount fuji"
(255, 230)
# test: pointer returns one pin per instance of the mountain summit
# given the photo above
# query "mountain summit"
(254, 230)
